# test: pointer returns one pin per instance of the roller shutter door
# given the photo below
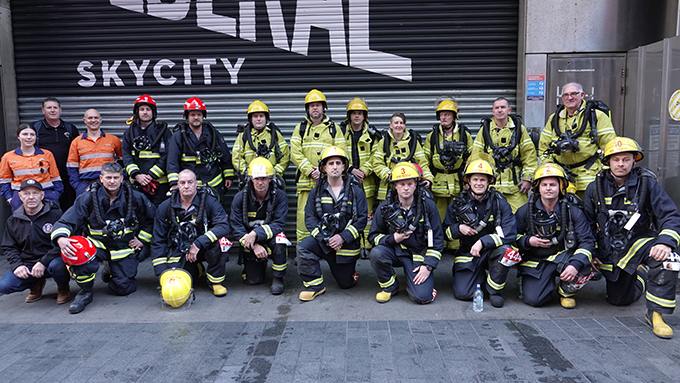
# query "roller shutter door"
(397, 55)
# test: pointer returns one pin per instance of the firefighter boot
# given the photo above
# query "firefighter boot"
(218, 290)
(83, 298)
(63, 294)
(277, 286)
(385, 296)
(308, 295)
(659, 327)
(36, 291)
(568, 303)
(496, 301)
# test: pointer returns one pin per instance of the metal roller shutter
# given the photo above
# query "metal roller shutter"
(397, 55)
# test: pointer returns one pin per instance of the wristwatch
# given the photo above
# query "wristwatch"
(429, 268)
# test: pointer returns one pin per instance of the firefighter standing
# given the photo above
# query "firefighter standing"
(638, 226)
(310, 137)
(118, 221)
(186, 232)
(509, 143)
(89, 152)
(258, 217)
(145, 145)
(398, 145)
(447, 148)
(260, 138)
(483, 221)
(198, 146)
(406, 232)
(29, 251)
(554, 239)
(335, 215)
(362, 140)
(573, 135)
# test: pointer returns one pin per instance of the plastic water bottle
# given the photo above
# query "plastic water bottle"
(478, 300)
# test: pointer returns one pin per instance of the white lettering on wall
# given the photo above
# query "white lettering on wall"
(109, 73)
(159, 75)
(138, 71)
(90, 78)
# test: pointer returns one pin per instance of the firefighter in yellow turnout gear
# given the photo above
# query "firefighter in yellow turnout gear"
(310, 137)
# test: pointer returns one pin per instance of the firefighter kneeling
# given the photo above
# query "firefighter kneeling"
(258, 217)
(638, 226)
(415, 240)
(554, 239)
(186, 233)
(483, 221)
(335, 215)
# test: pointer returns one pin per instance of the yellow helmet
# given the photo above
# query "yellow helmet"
(258, 107)
(623, 145)
(357, 104)
(404, 171)
(260, 167)
(480, 163)
(176, 287)
(315, 95)
(448, 105)
(332, 151)
(550, 170)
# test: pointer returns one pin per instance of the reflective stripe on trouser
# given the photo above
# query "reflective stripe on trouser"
(537, 290)
(300, 228)
(254, 268)
(217, 262)
(659, 286)
(442, 204)
(309, 256)
(383, 261)
(468, 271)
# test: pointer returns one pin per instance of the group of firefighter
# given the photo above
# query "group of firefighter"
(586, 211)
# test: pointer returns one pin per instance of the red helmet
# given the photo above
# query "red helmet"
(194, 103)
(144, 99)
(85, 251)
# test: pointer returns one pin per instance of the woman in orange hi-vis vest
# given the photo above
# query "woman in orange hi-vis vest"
(28, 162)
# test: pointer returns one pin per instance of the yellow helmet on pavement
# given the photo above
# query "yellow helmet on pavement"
(176, 287)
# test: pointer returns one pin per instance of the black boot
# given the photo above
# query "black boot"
(83, 298)
(277, 286)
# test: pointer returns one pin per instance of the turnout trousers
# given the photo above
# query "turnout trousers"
(254, 268)
(310, 254)
(123, 273)
(538, 282)
(468, 271)
(384, 259)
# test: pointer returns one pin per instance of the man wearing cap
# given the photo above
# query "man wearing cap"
(509, 143)
(118, 221)
(258, 217)
(56, 135)
(187, 230)
(29, 251)
(310, 137)
(198, 146)
(145, 145)
(406, 232)
(549, 252)
(260, 138)
(90, 151)
(335, 215)
(638, 230)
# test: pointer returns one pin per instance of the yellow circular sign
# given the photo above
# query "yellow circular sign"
(674, 105)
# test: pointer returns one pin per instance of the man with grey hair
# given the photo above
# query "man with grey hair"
(573, 135)
(118, 221)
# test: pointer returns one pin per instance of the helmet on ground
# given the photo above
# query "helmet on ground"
(144, 99)
(85, 251)
(622, 145)
(315, 95)
(260, 167)
(357, 104)
(550, 170)
(329, 152)
(480, 163)
(192, 104)
(404, 171)
(448, 105)
(258, 107)
(175, 287)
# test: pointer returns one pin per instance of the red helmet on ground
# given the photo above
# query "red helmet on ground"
(144, 99)
(194, 103)
(85, 251)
